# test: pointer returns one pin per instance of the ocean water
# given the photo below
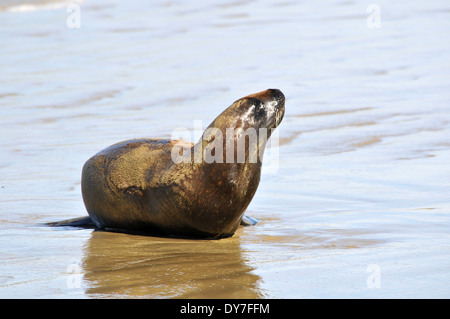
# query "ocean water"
(355, 204)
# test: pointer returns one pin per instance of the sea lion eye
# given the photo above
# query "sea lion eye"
(260, 111)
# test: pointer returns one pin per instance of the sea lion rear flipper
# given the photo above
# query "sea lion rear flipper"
(248, 221)
(82, 222)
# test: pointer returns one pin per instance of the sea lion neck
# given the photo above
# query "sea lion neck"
(224, 160)
(247, 123)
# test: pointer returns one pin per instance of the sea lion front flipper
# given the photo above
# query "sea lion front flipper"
(248, 221)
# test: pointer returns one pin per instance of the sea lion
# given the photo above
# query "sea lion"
(170, 187)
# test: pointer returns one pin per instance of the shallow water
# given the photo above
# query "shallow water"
(357, 205)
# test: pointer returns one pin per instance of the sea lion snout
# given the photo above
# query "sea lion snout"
(269, 107)
(279, 98)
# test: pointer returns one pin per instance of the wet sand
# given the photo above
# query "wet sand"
(357, 205)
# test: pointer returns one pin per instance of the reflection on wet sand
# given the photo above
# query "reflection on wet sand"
(130, 266)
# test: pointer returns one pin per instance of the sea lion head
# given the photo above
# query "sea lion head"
(259, 110)
(249, 120)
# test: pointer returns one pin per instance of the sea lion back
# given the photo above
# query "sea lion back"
(122, 171)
